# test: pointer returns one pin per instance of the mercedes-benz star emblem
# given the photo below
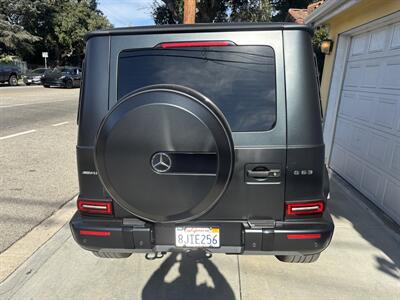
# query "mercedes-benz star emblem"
(161, 162)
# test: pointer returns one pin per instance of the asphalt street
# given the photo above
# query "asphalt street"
(37, 156)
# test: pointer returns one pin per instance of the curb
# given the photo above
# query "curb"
(24, 248)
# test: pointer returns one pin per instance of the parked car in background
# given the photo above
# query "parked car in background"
(34, 76)
(9, 73)
(67, 77)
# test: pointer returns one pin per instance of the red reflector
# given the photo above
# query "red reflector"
(304, 236)
(304, 208)
(95, 207)
(96, 233)
(195, 44)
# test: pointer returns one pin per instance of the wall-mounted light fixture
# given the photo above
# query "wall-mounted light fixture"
(326, 46)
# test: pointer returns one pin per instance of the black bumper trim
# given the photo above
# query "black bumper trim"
(236, 237)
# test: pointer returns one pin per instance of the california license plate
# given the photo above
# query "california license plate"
(197, 237)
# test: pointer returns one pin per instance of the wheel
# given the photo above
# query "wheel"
(46, 86)
(69, 84)
(303, 259)
(27, 84)
(13, 80)
(111, 254)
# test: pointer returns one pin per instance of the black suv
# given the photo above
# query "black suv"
(9, 73)
(67, 77)
(202, 136)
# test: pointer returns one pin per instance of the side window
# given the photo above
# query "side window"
(81, 92)
(317, 78)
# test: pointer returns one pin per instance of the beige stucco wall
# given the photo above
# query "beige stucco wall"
(359, 14)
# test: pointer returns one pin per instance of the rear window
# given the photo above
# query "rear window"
(240, 80)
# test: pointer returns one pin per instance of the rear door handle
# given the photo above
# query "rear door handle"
(257, 174)
(274, 173)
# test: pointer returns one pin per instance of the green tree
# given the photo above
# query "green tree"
(71, 23)
(15, 38)
(250, 11)
(320, 34)
(212, 11)
(280, 11)
(29, 27)
(281, 7)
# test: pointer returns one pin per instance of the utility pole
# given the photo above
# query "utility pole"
(189, 11)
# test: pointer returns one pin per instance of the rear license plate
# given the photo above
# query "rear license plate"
(198, 237)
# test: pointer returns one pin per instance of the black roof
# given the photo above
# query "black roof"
(200, 27)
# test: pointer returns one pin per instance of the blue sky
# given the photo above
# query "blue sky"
(122, 13)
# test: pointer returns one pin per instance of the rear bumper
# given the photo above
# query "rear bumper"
(277, 238)
(28, 80)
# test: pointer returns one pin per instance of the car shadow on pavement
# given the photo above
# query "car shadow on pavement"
(349, 204)
(184, 286)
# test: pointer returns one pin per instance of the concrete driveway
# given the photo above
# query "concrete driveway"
(362, 262)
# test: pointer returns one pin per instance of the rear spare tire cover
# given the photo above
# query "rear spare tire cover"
(165, 153)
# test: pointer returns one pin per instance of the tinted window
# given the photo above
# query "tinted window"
(38, 71)
(240, 80)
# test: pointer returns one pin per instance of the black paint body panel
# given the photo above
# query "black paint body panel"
(294, 144)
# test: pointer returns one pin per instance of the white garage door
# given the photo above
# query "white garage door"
(366, 147)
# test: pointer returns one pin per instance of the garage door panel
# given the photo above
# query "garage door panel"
(353, 76)
(391, 199)
(359, 141)
(344, 132)
(339, 156)
(391, 76)
(395, 162)
(395, 41)
(359, 45)
(354, 170)
(366, 146)
(349, 104)
(378, 150)
(371, 75)
(385, 113)
(398, 121)
(378, 40)
(371, 181)
(365, 107)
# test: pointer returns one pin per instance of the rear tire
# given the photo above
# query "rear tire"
(46, 86)
(69, 84)
(111, 254)
(299, 259)
(13, 80)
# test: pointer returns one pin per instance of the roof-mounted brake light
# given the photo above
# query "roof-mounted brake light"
(195, 44)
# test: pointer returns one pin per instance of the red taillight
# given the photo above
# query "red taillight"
(195, 44)
(304, 208)
(95, 233)
(95, 207)
(297, 236)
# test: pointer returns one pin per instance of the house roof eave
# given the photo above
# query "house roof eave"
(328, 10)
